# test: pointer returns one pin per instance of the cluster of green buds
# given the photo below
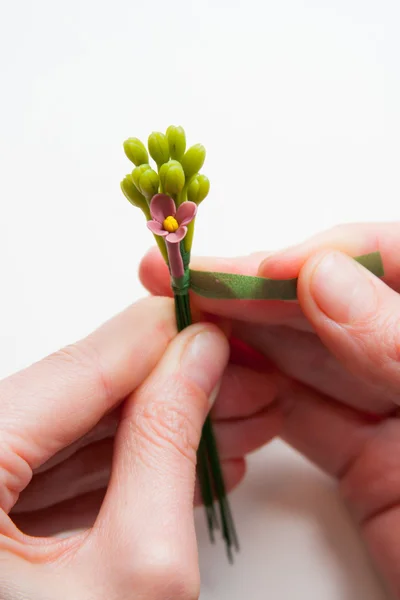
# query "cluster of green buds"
(177, 174)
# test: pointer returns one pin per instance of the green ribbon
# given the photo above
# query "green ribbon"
(228, 286)
(181, 285)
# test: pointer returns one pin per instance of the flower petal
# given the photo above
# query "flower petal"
(177, 236)
(186, 213)
(156, 228)
(175, 260)
(161, 207)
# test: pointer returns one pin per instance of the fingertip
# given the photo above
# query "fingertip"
(152, 254)
(204, 355)
(284, 264)
(306, 272)
(153, 273)
(305, 294)
(335, 286)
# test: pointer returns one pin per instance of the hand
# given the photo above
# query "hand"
(56, 422)
(337, 358)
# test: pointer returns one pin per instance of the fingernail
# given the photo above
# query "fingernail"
(342, 289)
(205, 359)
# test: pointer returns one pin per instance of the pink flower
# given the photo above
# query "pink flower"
(171, 224)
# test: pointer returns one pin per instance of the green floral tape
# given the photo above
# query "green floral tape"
(228, 286)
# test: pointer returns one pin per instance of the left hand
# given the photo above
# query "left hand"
(337, 364)
(66, 490)
(57, 423)
(143, 542)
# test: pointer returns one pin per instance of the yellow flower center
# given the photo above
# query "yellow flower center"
(170, 224)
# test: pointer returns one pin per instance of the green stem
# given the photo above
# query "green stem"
(184, 319)
(206, 489)
(182, 196)
(188, 241)
(209, 469)
(228, 527)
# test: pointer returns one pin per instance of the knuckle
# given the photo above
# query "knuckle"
(379, 340)
(169, 422)
(338, 229)
(162, 577)
(393, 339)
(370, 484)
(163, 309)
(84, 359)
(15, 471)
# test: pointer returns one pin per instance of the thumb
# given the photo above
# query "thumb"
(147, 515)
(357, 317)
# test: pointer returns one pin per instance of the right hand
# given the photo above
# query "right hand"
(337, 358)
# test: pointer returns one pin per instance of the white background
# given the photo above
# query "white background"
(298, 106)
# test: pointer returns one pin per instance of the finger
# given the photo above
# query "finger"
(353, 239)
(330, 434)
(244, 393)
(54, 402)
(381, 534)
(105, 429)
(85, 465)
(73, 514)
(87, 470)
(243, 402)
(81, 512)
(238, 437)
(357, 316)
(147, 515)
(362, 454)
(246, 414)
(154, 276)
(302, 356)
(359, 450)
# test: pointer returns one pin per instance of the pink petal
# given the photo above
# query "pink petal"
(156, 228)
(161, 207)
(186, 213)
(175, 260)
(177, 236)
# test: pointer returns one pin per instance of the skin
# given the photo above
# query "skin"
(323, 376)
(123, 408)
(334, 358)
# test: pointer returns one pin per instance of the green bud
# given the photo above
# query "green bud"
(198, 189)
(158, 148)
(172, 177)
(193, 160)
(131, 192)
(149, 183)
(134, 196)
(176, 141)
(137, 173)
(146, 180)
(136, 151)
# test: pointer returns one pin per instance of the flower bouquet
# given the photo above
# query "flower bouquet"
(169, 198)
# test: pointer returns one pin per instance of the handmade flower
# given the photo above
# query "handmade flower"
(177, 142)
(193, 160)
(172, 178)
(170, 223)
(168, 197)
